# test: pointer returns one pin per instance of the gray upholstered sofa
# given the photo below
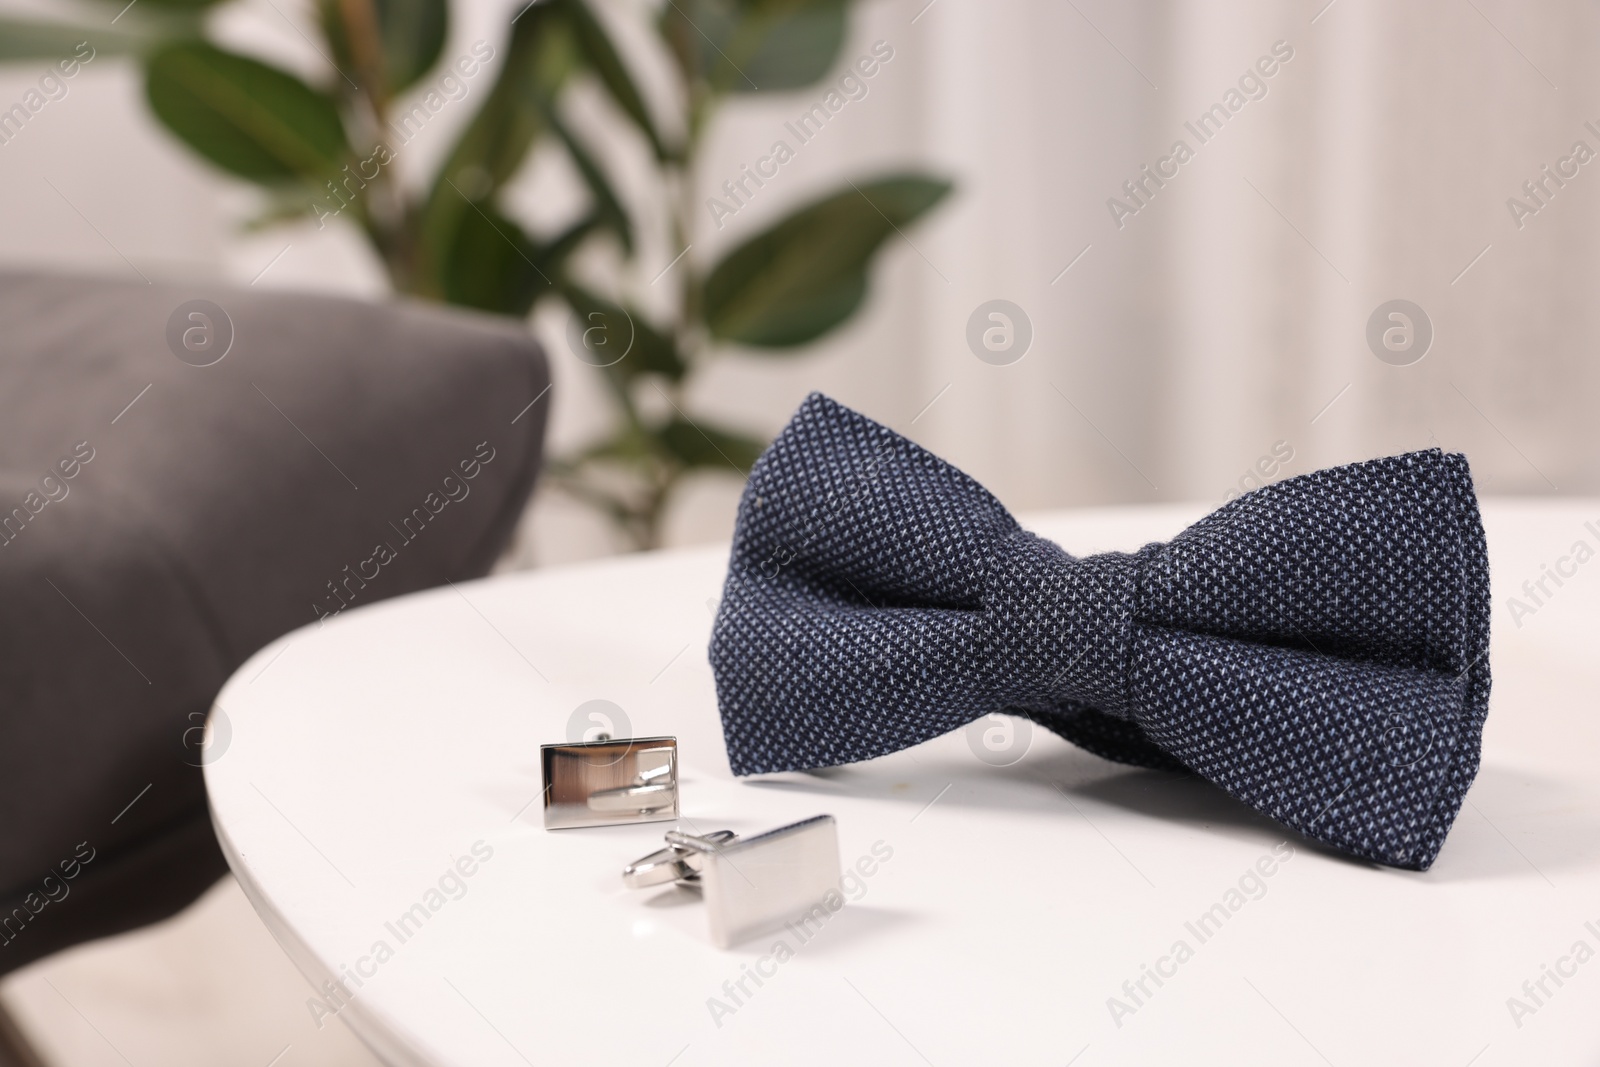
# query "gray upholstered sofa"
(176, 491)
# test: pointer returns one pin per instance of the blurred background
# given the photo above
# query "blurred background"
(1091, 252)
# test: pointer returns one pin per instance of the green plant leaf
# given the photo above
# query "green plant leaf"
(608, 207)
(57, 41)
(806, 275)
(649, 351)
(602, 57)
(746, 46)
(246, 117)
(533, 66)
(494, 265)
(700, 444)
(411, 34)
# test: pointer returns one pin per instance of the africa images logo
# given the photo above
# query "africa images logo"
(199, 332)
(1399, 332)
(999, 332)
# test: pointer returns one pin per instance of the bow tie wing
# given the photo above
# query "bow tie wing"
(1371, 759)
(1319, 648)
(849, 510)
(851, 621)
(1381, 561)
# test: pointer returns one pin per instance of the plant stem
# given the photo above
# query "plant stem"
(391, 219)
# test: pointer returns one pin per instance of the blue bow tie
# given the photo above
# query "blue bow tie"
(1318, 647)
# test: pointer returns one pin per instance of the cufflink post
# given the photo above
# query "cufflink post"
(751, 884)
(610, 782)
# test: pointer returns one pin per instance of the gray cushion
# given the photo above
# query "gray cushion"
(146, 551)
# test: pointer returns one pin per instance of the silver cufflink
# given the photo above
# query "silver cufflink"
(751, 884)
(609, 782)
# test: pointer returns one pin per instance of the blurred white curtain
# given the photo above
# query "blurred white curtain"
(1223, 325)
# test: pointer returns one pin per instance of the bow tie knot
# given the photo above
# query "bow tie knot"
(1076, 648)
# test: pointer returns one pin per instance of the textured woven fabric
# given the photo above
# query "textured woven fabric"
(1318, 647)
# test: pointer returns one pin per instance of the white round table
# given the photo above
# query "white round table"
(375, 787)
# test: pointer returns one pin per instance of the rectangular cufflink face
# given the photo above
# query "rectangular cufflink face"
(606, 783)
(760, 883)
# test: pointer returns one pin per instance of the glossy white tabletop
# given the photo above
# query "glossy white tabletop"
(365, 766)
